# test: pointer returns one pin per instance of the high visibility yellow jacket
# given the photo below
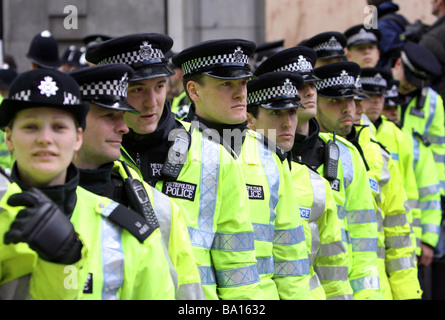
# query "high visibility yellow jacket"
(178, 107)
(114, 264)
(211, 192)
(395, 142)
(280, 246)
(175, 237)
(328, 257)
(398, 271)
(6, 158)
(355, 207)
(428, 120)
(428, 226)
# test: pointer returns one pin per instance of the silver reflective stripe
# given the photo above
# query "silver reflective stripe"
(191, 291)
(370, 282)
(416, 222)
(331, 249)
(385, 170)
(398, 220)
(289, 237)
(273, 178)
(317, 210)
(432, 228)
(112, 255)
(265, 265)
(361, 216)
(291, 268)
(416, 151)
(411, 204)
(207, 275)
(233, 242)
(209, 184)
(263, 232)
(381, 252)
(346, 161)
(429, 205)
(400, 264)
(364, 244)
(163, 212)
(432, 113)
(436, 139)
(314, 282)
(332, 273)
(237, 277)
(398, 242)
(428, 190)
(342, 297)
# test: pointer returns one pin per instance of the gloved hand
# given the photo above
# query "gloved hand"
(45, 228)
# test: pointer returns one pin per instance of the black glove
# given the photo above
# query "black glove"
(45, 228)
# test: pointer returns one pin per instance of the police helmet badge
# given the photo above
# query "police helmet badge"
(358, 83)
(334, 44)
(48, 87)
(123, 83)
(146, 51)
(344, 78)
(238, 55)
(303, 65)
(288, 88)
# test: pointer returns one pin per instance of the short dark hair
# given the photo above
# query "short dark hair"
(253, 110)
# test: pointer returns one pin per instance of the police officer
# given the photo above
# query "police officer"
(362, 45)
(275, 111)
(198, 173)
(219, 92)
(398, 272)
(335, 109)
(329, 47)
(43, 51)
(73, 58)
(421, 116)
(176, 94)
(392, 101)
(422, 108)
(108, 245)
(102, 173)
(265, 170)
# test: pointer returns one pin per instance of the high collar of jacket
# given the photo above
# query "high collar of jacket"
(222, 129)
(159, 136)
(96, 180)
(63, 195)
(302, 142)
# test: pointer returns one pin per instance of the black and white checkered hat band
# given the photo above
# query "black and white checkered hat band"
(133, 57)
(342, 81)
(362, 36)
(332, 44)
(194, 65)
(25, 95)
(265, 95)
(297, 67)
(377, 80)
(104, 88)
(410, 66)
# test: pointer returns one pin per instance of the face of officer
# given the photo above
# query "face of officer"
(102, 137)
(308, 95)
(336, 114)
(278, 125)
(219, 100)
(374, 107)
(44, 141)
(392, 113)
(365, 55)
(147, 97)
(398, 73)
(322, 62)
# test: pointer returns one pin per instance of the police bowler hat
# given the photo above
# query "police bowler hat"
(420, 65)
(7, 76)
(339, 80)
(327, 44)
(358, 35)
(375, 80)
(221, 59)
(105, 85)
(275, 90)
(144, 52)
(43, 88)
(297, 59)
(44, 52)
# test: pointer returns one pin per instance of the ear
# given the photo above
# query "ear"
(347, 54)
(251, 121)
(193, 90)
(8, 140)
(79, 139)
